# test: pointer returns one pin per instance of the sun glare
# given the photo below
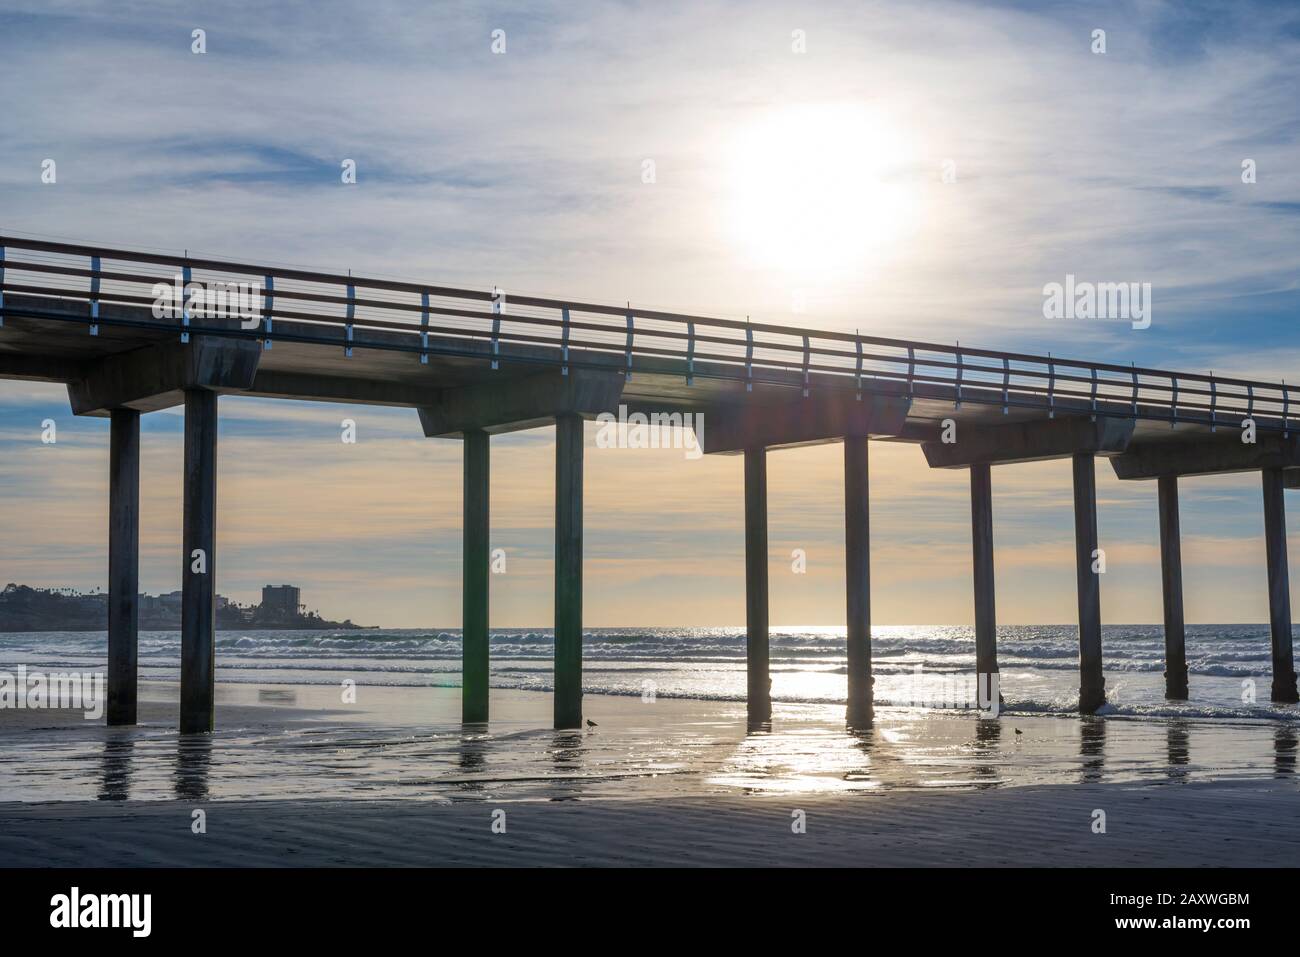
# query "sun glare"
(820, 190)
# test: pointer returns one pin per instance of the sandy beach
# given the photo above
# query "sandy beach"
(293, 777)
(1242, 825)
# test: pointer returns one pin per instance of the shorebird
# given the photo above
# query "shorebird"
(590, 723)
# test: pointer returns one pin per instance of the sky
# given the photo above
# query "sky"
(918, 170)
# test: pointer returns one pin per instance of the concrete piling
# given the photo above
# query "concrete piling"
(759, 697)
(1171, 577)
(1092, 686)
(568, 571)
(986, 619)
(199, 568)
(123, 565)
(1279, 588)
(475, 571)
(857, 567)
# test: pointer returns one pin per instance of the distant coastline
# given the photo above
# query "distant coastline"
(23, 608)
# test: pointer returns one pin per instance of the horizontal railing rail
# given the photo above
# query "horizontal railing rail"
(486, 320)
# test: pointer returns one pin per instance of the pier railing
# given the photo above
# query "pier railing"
(424, 320)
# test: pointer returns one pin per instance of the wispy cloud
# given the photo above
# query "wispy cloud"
(524, 170)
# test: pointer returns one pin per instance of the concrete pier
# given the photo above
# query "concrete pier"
(1171, 577)
(474, 579)
(857, 580)
(563, 362)
(198, 571)
(1279, 588)
(568, 571)
(1092, 686)
(759, 694)
(986, 619)
(123, 564)
(1079, 438)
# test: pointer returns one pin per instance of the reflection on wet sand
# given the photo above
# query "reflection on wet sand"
(115, 766)
(471, 754)
(1284, 751)
(193, 761)
(566, 757)
(863, 741)
(988, 743)
(1092, 748)
(1177, 749)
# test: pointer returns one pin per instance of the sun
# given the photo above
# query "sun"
(820, 190)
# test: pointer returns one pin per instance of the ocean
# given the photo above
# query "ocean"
(1230, 668)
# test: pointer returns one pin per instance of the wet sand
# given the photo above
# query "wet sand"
(1222, 825)
(294, 776)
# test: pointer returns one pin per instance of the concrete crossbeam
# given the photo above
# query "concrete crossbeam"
(157, 377)
(521, 403)
(37, 368)
(314, 387)
(1217, 454)
(816, 420)
(1032, 441)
